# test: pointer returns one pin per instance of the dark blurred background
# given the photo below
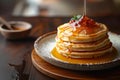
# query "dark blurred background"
(58, 7)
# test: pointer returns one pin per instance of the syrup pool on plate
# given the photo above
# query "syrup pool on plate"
(106, 58)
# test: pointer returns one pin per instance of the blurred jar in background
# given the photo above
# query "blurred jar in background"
(66, 7)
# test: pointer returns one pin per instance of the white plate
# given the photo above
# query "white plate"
(44, 44)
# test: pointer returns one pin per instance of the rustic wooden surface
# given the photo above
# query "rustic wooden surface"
(15, 59)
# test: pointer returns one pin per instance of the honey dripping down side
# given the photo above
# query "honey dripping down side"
(84, 25)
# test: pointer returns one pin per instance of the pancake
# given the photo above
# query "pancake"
(85, 54)
(83, 38)
(65, 33)
(84, 46)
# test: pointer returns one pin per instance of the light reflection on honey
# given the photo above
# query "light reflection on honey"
(105, 58)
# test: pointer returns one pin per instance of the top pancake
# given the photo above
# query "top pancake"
(65, 33)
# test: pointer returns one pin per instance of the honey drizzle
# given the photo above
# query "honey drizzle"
(87, 25)
(85, 9)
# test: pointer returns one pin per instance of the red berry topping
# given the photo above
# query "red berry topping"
(73, 20)
(76, 24)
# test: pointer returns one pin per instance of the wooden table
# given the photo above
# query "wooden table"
(15, 55)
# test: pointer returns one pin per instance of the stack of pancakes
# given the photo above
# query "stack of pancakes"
(83, 41)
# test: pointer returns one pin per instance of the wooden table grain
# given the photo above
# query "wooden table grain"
(15, 55)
